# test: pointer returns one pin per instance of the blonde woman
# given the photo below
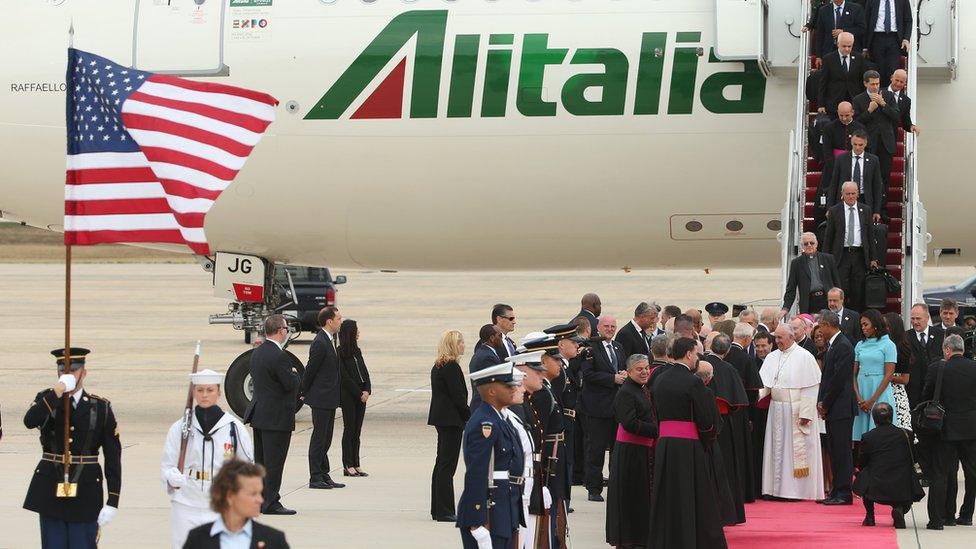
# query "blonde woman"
(448, 414)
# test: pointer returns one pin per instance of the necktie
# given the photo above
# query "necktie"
(921, 337)
(887, 22)
(857, 174)
(836, 18)
(612, 355)
(845, 64)
(849, 242)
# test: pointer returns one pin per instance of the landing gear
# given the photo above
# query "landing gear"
(239, 387)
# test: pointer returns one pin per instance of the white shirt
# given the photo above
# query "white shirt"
(897, 94)
(857, 224)
(280, 345)
(879, 24)
(238, 540)
(831, 342)
(918, 335)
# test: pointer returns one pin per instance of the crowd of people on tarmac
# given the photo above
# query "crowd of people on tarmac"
(701, 415)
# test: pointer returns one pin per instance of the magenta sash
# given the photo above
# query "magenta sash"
(623, 435)
(679, 429)
(838, 152)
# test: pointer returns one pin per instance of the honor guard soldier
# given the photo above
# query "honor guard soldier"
(489, 511)
(213, 437)
(66, 489)
(554, 463)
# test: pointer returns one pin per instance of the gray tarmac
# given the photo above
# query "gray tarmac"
(142, 322)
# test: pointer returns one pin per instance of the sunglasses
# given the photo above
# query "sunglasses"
(509, 318)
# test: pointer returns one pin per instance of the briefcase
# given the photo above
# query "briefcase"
(879, 242)
(875, 291)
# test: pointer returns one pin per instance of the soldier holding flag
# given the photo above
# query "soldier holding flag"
(214, 437)
(66, 489)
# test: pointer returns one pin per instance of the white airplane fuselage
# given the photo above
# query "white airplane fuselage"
(468, 135)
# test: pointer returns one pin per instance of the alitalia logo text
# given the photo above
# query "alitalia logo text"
(584, 93)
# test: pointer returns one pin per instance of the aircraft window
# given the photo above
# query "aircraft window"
(693, 226)
(734, 226)
(774, 225)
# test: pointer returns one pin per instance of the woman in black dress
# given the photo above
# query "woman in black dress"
(353, 394)
(449, 413)
(632, 460)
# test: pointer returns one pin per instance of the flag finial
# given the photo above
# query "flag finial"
(71, 33)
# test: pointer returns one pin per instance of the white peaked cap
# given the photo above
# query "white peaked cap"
(526, 357)
(207, 377)
(533, 336)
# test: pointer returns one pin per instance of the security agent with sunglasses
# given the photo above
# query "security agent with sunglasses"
(72, 511)
(812, 274)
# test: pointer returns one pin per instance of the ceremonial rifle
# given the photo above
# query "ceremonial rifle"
(188, 413)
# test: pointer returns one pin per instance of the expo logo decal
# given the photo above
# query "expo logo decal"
(250, 23)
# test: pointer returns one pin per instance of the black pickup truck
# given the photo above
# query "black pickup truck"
(315, 288)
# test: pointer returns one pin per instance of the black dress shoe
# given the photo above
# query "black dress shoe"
(279, 509)
(595, 496)
(868, 521)
(898, 516)
(931, 526)
(951, 522)
(361, 473)
(964, 522)
(838, 501)
(570, 510)
(445, 518)
(346, 473)
(333, 484)
(320, 485)
(821, 500)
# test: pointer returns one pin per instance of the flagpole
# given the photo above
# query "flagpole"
(67, 362)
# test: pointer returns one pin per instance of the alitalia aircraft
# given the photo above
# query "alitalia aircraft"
(481, 134)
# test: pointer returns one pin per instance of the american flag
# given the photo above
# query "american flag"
(148, 154)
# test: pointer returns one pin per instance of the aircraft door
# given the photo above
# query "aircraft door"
(181, 37)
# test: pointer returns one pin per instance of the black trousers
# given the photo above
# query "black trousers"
(816, 303)
(323, 424)
(270, 450)
(445, 465)
(579, 447)
(841, 459)
(353, 413)
(886, 54)
(600, 434)
(869, 506)
(944, 457)
(569, 432)
(852, 271)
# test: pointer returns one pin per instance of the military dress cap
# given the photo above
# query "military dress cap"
(517, 377)
(548, 345)
(529, 359)
(716, 309)
(77, 356)
(564, 331)
(206, 377)
(499, 373)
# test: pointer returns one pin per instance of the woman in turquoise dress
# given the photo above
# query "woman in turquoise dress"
(874, 363)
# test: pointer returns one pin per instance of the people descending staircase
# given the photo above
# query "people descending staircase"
(894, 209)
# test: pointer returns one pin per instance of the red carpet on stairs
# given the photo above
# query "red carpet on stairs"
(807, 525)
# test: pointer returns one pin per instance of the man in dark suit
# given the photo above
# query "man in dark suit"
(835, 140)
(889, 31)
(863, 168)
(601, 378)
(899, 81)
(272, 411)
(812, 273)
(833, 18)
(632, 337)
(848, 238)
(590, 309)
(320, 386)
(485, 355)
(837, 406)
(878, 110)
(958, 396)
(850, 320)
(503, 316)
(841, 80)
(926, 348)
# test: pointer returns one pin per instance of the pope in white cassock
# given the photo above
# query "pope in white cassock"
(792, 462)
(215, 437)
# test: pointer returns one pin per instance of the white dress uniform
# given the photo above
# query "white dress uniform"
(527, 532)
(204, 457)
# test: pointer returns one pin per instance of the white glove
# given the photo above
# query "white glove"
(69, 382)
(106, 515)
(527, 491)
(482, 536)
(546, 497)
(174, 477)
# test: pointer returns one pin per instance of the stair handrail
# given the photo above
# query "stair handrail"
(793, 211)
(914, 229)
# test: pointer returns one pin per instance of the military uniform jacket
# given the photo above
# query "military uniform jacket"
(553, 441)
(205, 454)
(492, 454)
(93, 427)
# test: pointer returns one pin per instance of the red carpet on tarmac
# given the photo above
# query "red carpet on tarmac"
(807, 525)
